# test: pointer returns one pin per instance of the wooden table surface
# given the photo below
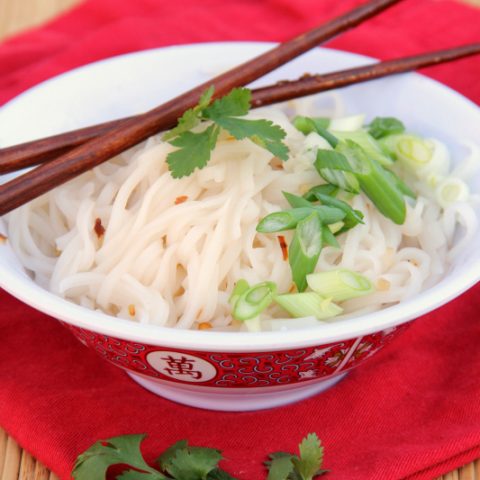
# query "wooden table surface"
(16, 463)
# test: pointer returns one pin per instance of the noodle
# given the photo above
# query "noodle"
(172, 249)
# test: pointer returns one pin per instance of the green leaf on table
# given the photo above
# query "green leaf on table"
(194, 151)
(219, 474)
(94, 462)
(280, 466)
(136, 475)
(311, 457)
(306, 466)
(192, 463)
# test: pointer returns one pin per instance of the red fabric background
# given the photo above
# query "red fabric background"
(412, 412)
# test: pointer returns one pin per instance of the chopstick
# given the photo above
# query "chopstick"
(94, 152)
(35, 152)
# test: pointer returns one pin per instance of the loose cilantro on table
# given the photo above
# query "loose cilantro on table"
(184, 462)
(208, 118)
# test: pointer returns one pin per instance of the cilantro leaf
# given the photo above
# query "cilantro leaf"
(311, 457)
(94, 462)
(192, 117)
(280, 467)
(194, 151)
(285, 466)
(186, 122)
(135, 475)
(234, 104)
(219, 474)
(166, 457)
(193, 463)
(205, 98)
(262, 132)
(224, 113)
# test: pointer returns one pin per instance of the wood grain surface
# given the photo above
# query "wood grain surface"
(16, 463)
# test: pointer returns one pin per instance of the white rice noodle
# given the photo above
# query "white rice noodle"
(173, 249)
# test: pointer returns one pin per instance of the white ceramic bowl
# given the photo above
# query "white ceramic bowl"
(231, 371)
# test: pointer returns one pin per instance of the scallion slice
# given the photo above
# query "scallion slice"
(339, 285)
(254, 301)
(308, 304)
(328, 238)
(295, 201)
(335, 169)
(289, 219)
(347, 124)
(305, 249)
(326, 189)
(369, 145)
(383, 126)
(376, 183)
(284, 220)
(240, 288)
(352, 217)
(319, 125)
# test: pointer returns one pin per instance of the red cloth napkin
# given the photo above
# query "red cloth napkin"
(411, 412)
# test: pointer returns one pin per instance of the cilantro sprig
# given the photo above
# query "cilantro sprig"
(208, 119)
(305, 466)
(184, 462)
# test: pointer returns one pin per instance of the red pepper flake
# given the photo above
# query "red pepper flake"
(283, 246)
(181, 199)
(131, 310)
(99, 229)
(204, 326)
(3, 239)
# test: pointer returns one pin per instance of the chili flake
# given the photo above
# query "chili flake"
(283, 246)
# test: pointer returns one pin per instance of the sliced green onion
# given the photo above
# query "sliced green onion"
(308, 304)
(336, 227)
(388, 145)
(451, 190)
(311, 124)
(307, 125)
(413, 151)
(383, 126)
(254, 301)
(304, 249)
(240, 288)
(254, 324)
(401, 185)
(335, 169)
(347, 124)
(368, 143)
(289, 219)
(328, 214)
(327, 189)
(284, 220)
(339, 285)
(376, 184)
(295, 201)
(352, 217)
(328, 238)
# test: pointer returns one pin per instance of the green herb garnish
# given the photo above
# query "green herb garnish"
(306, 466)
(183, 462)
(194, 148)
(384, 126)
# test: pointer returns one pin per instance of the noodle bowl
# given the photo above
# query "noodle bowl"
(132, 241)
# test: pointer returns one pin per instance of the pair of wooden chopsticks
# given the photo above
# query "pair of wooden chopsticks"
(64, 156)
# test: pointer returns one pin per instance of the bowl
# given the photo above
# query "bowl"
(227, 370)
